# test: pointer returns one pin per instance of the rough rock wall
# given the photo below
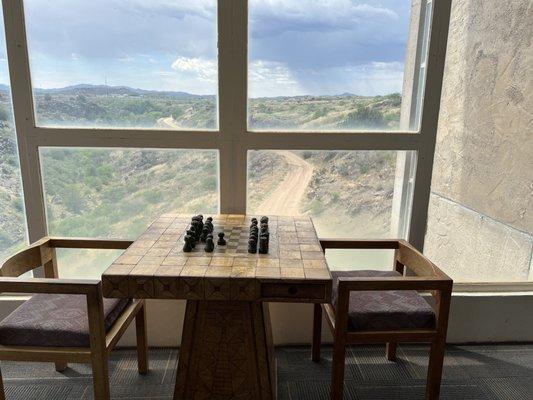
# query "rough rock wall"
(481, 210)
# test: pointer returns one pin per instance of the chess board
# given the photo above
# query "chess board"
(155, 265)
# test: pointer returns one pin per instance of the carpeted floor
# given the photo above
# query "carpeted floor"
(471, 373)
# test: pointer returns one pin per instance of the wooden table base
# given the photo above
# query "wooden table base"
(226, 352)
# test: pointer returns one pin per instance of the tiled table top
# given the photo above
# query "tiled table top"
(155, 266)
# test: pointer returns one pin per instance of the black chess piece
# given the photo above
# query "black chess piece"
(192, 234)
(264, 220)
(203, 236)
(263, 244)
(254, 221)
(209, 226)
(195, 223)
(209, 219)
(187, 247)
(252, 245)
(209, 244)
(221, 240)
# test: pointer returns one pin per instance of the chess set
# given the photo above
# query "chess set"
(258, 236)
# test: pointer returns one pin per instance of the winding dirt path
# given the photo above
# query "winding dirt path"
(286, 198)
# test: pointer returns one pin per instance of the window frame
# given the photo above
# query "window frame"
(233, 139)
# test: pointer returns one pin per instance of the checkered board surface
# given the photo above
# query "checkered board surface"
(236, 237)
(157, 256)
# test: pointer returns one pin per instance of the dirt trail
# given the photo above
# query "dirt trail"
(285, 199)
(168, 123)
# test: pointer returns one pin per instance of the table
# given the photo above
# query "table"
(226, 350)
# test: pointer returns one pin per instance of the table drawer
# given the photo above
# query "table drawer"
(312, 292)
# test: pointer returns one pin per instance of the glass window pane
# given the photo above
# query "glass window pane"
(124, 63)
(84, 263)
(349, 194)
(117, 193)
(331, 65)
(12, 218)
(353, 260)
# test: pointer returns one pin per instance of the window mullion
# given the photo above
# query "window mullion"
(21, 92)
(438, 39)
(232, 75)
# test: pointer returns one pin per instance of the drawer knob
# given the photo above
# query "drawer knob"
(293, 290)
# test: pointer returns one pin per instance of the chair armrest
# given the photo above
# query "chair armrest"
(359, 244)
(417, 262)
(54, 286)
(87, 243)
(395, 283)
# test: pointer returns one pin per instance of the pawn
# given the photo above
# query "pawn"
(187, 247)
(209, 245)
(221, 240)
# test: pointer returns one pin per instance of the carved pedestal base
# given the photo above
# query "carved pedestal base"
(226, 352)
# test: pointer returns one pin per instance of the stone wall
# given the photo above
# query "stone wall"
(480, 225)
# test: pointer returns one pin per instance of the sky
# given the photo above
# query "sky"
(296, 47)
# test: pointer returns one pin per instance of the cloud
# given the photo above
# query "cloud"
(319, 15)
(270, 78)
(202, 69)
(178, 8)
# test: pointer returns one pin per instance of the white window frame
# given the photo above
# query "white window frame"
(233, 139)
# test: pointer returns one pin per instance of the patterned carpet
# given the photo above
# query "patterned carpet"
(471, 373)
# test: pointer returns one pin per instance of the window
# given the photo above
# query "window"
(156, 78)
(123, 63)
(349, 194)
(117, 193)
(328, 65)
(12, 220)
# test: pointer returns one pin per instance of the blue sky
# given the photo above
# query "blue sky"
(296, 46)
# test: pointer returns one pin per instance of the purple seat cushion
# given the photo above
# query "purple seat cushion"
(55, 320)
(384, 309)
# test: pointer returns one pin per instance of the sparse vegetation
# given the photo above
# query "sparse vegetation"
(92, 192)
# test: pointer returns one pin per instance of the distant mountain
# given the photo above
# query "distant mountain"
(103, 90)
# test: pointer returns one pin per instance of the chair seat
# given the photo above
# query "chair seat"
(386, 309)
(55, 320)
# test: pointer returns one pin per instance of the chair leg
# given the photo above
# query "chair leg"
(61, 366)
(436, 360)
(337, 376)
(2, 393)
(100, 378)
(317, 332)
(391, 351)
(142, 341)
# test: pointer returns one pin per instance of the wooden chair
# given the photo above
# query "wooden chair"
(67, 320)
(385, 307)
